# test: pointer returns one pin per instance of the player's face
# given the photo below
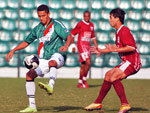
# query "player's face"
(87, 17)
(43, 16)
(113, 21)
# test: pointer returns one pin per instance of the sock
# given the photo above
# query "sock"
(30, 89)
(80, 77)
(80, 81)
(84, 78)
(53, 75)
(118, 86)
(81, 72)
(103, 92)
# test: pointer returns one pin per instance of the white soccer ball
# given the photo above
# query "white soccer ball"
(31, 62)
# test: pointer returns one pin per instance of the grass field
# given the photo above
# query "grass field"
(69, 99)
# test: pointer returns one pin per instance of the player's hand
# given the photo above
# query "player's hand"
(9, 56)
(95, 50)
(63, 49)
(112, 48)
(99, 51)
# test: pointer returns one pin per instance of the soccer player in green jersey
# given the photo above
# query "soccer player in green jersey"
(54, 40)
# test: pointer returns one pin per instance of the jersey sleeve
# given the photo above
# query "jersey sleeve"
(31, 37)
(127, 38)
(61, 30)
(76, 30)
(93, 33)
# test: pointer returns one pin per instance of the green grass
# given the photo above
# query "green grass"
(69, 99)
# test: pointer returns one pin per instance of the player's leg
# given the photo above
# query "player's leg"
(84, 56)
(105, 87)
(80, 81)
(86, 70)
(55, 62)
(103, 92)
(30, 90)
(119, 88)
(121, 72)
(53, 72)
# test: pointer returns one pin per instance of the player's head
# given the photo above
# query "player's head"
(43, 13)
(117, 16)
(87, 16)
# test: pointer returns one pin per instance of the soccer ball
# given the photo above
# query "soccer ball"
(31, 62)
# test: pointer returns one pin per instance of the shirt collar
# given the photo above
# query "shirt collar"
(85, 22)
(119, 28)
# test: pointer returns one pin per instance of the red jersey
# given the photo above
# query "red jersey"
(124, 38)
(85, 31)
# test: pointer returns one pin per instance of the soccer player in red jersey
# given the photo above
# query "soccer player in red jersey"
(126, 48)
(85, 31)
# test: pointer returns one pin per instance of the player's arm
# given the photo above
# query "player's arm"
(75, 31)
(67, 44)
(19, 47)
(94, 38)
(95, 42)
(128, 41)
(69, 41)
(99, 51)
(64, 33)
(73, 45)
(119, 50)
(113, 48)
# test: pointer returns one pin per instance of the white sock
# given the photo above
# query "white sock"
(53, 75)
(30, 89)
(80, 81)
(84, 78)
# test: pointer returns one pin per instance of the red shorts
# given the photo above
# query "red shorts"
(84, 53)
(127, 68)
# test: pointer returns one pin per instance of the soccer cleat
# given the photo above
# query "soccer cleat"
(85, 85)
(93, 106)
(124, 108)
(80, 85)
(46, 87)
(29, 109)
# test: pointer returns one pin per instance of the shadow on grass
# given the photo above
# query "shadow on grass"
(91, 86)
(59, 108)
(136, 109)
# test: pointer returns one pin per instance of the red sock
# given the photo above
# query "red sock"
(104, 90)
(118, 86)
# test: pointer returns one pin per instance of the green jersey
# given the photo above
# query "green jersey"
(50, 38)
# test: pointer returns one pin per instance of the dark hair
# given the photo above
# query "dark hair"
(43, 8)
(87, 12)
(118, 13)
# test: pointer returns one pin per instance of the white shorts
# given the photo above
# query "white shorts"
(43, 67)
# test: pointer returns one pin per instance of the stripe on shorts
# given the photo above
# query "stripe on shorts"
(125, 65)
